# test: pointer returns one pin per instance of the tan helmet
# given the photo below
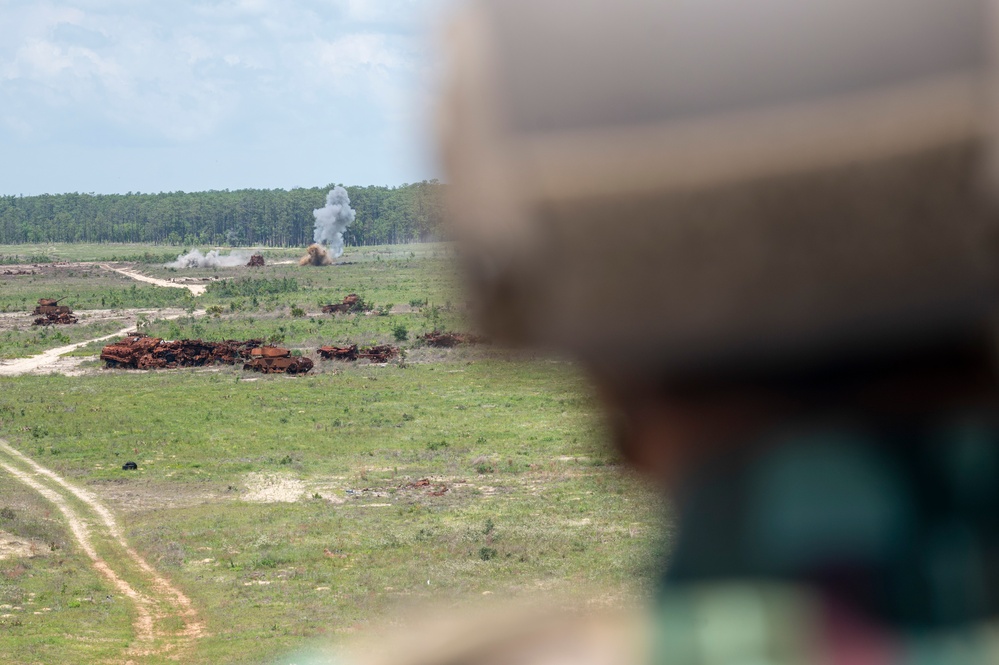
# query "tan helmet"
(671, 185)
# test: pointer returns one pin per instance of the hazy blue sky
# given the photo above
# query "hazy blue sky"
(130, 95)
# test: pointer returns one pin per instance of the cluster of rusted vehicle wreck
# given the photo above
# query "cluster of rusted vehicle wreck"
(51, 313)
(138, 351)
(142, 352)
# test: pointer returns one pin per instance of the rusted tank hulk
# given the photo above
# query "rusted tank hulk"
(138, 351)
(379, 354)
(50, 312)
(352, 303)
(344, 353)
(275, 360)
(256, 261)
(48, 306)
(376, 354)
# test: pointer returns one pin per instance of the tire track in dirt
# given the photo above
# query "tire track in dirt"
(195, 289)
(158, 603)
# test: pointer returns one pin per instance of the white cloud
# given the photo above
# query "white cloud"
(366, 55)
(198, 73)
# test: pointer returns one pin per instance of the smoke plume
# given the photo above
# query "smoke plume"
(315, 255)
(332, 220)
(195, 259)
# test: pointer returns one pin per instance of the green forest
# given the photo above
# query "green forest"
(269, 217)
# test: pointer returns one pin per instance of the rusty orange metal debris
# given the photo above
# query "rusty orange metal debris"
(345, 353)
(352, 303)
(50, 312)
(138, 351)
(275, 360)
(376, 354)
(379, 354)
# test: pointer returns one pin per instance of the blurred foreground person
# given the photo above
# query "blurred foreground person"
(768, 229)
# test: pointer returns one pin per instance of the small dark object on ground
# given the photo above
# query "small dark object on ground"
(344, 353)
(256, 261)
(352, 303)
(141, 352)
(275, 360)
(447, 340)
(129, 466)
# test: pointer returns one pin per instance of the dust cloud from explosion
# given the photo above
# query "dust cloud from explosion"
(331, 222)
(195, 259)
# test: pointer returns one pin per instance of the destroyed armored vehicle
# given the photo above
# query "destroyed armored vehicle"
(139, 351)
(379, 354)
(275, 360)
(352, 303)
(375, 354)
(50, 312)
(344, 353)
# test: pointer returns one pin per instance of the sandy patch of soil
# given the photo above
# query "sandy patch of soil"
(272, 488)
(12, 547)
(131, 496)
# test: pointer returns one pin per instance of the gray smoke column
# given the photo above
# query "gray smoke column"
(195, 259)
(333, 219)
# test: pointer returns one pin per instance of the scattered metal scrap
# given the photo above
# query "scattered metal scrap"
(275, 360)
(447, 340)
(424, 483)
(352, 303)
(139, 351)
(256, 261)
(50, 312)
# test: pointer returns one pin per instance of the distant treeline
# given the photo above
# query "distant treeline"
(271, 217)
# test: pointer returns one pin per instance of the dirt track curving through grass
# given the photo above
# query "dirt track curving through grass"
(49, 358)
(159, 605)
(42, 360)
(195, 289)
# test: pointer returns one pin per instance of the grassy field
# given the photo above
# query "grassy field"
(297, 511)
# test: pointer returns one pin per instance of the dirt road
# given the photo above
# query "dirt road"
(158, 603)
(50, 359)
(195, 289)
